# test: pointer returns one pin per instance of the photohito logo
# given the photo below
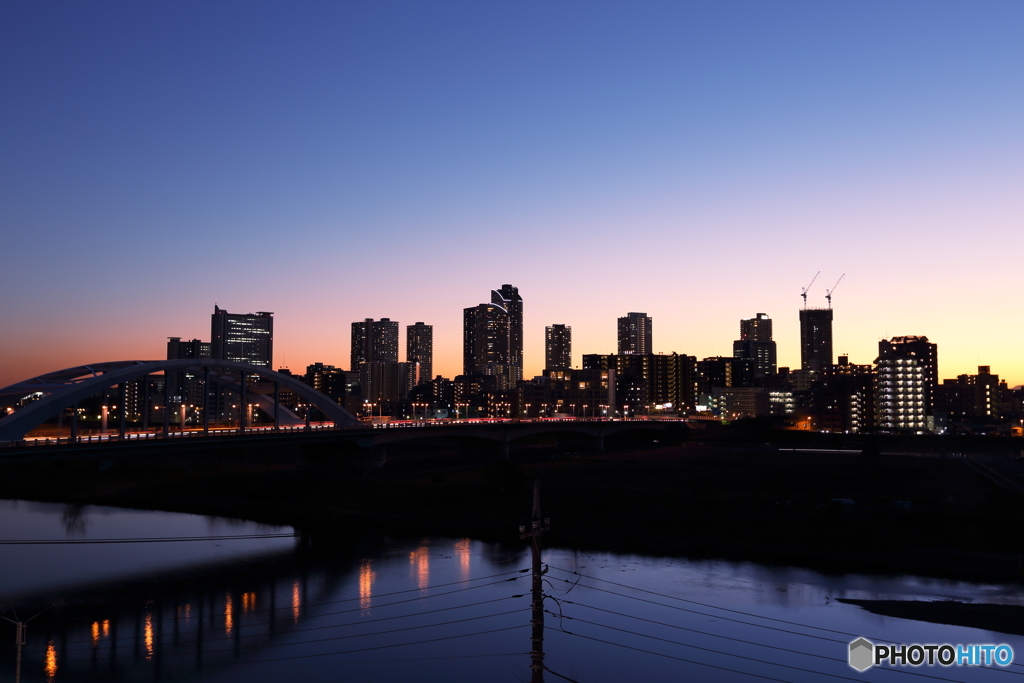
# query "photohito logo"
(864, 654)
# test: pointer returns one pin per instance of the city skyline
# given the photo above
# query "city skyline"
(750, 146)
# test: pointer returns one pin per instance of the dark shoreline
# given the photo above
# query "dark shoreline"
(836, 513)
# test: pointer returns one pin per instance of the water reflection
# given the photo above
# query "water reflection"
(50, 666)
(366, 576)
(419, 560)
(229, 614)
(462, 551)
(464, 604)
(148, 634)
(74, 520)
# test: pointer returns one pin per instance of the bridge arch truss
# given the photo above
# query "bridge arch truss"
(66, 388)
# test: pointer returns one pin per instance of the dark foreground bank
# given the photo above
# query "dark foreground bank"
(839, 512)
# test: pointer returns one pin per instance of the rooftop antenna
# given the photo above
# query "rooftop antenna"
(805, 289)
(828, 292)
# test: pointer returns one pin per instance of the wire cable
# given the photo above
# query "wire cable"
(365, 649)
(740, 640)
(311, 628)
(354, 635)
(678, 659)
(752, 659)
(734, 611)
(360, 609)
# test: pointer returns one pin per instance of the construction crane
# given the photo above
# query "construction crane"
(828, 292)
(805, 289)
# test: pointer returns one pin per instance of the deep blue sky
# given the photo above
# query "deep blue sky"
(335, 161)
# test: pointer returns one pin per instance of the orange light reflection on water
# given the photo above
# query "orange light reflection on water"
(462, 551)
(419, 559)
(148, 634)
(366, 577)
(106, 627)
(95, 633)
(229, 614)
(249, 601)
(51, 661)
(296, 600)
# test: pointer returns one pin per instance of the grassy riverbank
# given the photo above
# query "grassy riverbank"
(832, 511)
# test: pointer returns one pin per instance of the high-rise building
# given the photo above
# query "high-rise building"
(242, 337)
(557, 347)
(374, 341)
(907, 371)
(508, 298)
(758, 328)
(815, 339)
(756, 343)
(635, 334)
(419, 348)
(646, 382)
(184, 386)
(485, 344)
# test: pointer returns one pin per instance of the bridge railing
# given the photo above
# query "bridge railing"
(157, 434)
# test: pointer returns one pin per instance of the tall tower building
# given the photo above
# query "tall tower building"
(758, 328)
(557, 347)
(815, 338)
(635, 334)
(374, 341)
(508, 298)
(907, 372)
(485, 344)
(419, 348)
(756, 343)
(246, 338)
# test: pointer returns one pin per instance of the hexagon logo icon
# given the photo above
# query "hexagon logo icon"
(862, 654)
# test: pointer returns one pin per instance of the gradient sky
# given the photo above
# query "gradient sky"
(697, 161)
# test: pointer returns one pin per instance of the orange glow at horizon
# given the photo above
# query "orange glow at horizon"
(366, 577)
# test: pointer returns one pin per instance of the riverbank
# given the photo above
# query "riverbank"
(837, 512)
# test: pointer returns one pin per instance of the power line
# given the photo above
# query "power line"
(751, 659)
(366, 649)
(372, 620)
(739, 640)
(386, 604)
(703, 604)
(678, 659)
(705, 614)
(355, 635)
(726, 609)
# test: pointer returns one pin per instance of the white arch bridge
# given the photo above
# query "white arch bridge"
(66, 388)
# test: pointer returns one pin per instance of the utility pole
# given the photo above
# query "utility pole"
(19, 639)
(537, 527)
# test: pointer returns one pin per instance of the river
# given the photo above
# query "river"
(232, 601)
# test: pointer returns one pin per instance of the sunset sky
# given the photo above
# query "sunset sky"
(329, 162)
